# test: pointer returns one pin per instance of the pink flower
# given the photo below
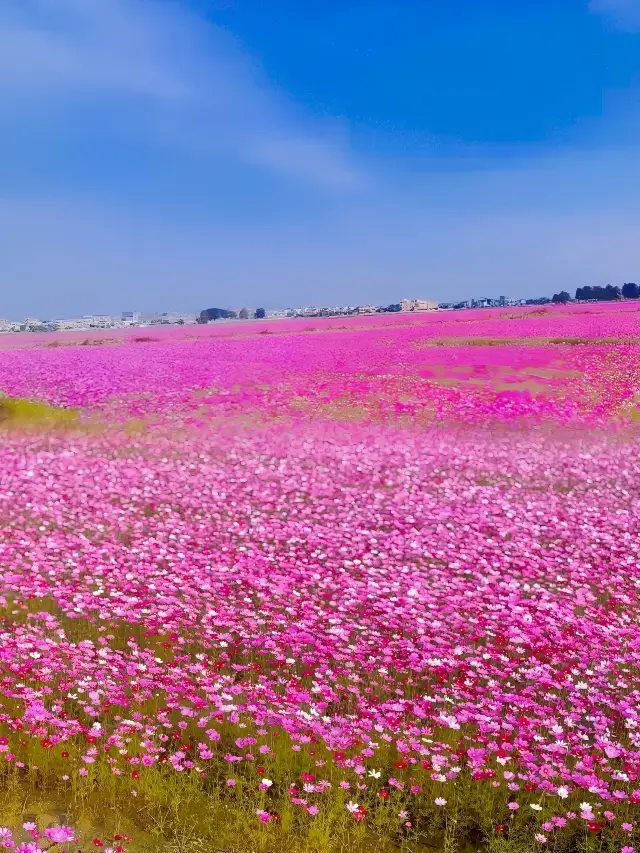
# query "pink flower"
(513, 806)
(59, 834)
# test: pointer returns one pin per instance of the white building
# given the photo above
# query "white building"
(418, 305)
(72, 325)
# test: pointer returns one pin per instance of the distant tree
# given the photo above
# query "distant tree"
(612, 293)
(584, 293)
(260, 314)
(395, 307)
(600, 294)
(630, 290)
(561, 298)
(214, 314)
(244, 314)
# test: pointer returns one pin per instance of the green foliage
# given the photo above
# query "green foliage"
(26, 413)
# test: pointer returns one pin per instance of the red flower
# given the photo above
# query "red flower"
(260, 770)
(401, 765)
(64, 754)
(97, 842)
(339, 756)
(383, 795)
(529, 787)
(135, 775)
(499, 828)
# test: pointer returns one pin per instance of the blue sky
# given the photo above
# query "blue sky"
(176, 154)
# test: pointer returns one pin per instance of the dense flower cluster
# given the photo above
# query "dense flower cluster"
(320, 608)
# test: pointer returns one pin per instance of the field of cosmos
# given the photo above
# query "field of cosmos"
(367, 584)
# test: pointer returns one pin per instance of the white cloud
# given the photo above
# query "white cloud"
(625, 14)
(193, 86)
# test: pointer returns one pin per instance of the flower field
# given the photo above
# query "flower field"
(345, 585)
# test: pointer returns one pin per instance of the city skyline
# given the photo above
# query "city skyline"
(160, 153)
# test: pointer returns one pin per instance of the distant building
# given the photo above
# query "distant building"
(98, 321)
(131, 317)
(502, 301)
(418, 305)
(366, 309)
(72, 325)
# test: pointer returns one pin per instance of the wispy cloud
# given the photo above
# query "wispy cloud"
(625, 14)
(192, 85)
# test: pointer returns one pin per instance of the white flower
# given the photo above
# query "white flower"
(536, 807)
(375, 774)
(563, 792)
(267, 782)
(352, 807)
(585, 807)
(440, 801)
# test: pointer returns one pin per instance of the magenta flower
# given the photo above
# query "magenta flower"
(59, 834)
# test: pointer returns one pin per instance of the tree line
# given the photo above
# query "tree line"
(224, 314)
(629, 290)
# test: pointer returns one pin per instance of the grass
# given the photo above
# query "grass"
(15, 412)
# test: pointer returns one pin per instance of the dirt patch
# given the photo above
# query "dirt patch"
(424, 343)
